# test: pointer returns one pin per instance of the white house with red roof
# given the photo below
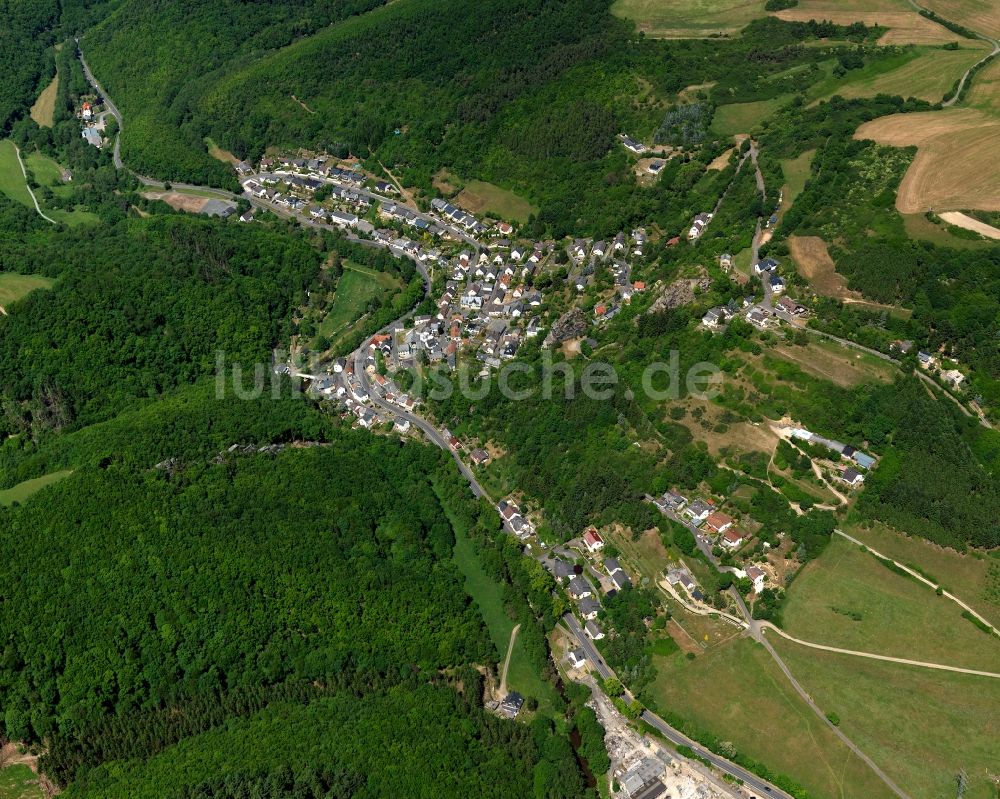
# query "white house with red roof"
(592, 540)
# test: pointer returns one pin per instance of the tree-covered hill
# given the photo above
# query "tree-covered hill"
(128, 589)
(140, 308)
(154, 56)
(413, 741)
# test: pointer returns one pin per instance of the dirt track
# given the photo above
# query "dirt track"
(969, 223)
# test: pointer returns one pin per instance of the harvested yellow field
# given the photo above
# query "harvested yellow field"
(43, 110)
(981, 16)
(958, 158)
(905, 25)
(688, 19)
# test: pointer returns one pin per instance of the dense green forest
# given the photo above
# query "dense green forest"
(26, 36)
(411, 740)
(140, 308)
(329, 553)
(338, 561)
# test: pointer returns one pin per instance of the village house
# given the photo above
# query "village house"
(698, 225)
(511, 704)
(579, 588)
(757, 577)
(719, 522)
(953, 377)
(577, 658)
(852, 477)
(593, 631)
(632, 145)
(698, 511)
(589, 607)
(561, 570)
(592, 540)
(732, 538)
(479, 456)
(758, 318)
(714, 317)
(790, 306)
(673, 500)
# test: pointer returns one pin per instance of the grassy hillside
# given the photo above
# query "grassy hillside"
(848, 599)
(736, 692)
(922, 727)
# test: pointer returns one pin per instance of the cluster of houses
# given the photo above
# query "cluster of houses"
(294, 192)
(350, 192)
(858, 462)
(767, 268)
(586, 255)
(698, 225)
(458, 217)
(341, 382)
(487, 307)
(314, 167)
(721, 314)
(511, 513)
(930, 363)
(756, 314)
(712, 524)
(607, 572)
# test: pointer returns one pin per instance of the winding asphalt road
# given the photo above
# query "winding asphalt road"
(117, 154)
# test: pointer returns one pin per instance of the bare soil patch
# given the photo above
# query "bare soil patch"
(179, 202)
(303, 105)
(688, 93)
(722, 161)
(219, 154)
(813, 261)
